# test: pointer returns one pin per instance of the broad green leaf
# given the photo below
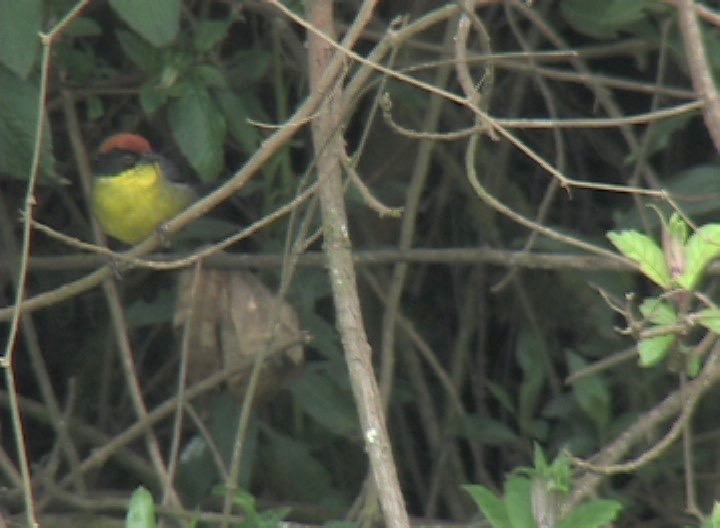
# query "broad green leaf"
(490, 505)
(594, 514)
(591, 393)
(658, 312)
(518, 503)
(141, 512)
(157, 311)
(325, 401)
(20, 24)
(145, 57)
(702, 248)
(486, 431)
(603, 19)
(209, 33)
(643, 250)
(236, 115)
(531, 354)
(199, 129)
(18, 117)
(654, 349)
(151, 98)
(659, 136)
(710, 319)
(83, 27)
(156, 22)
(247, 67)
(500, 393)
(288, 465)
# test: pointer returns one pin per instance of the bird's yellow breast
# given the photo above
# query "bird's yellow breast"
(132, 204)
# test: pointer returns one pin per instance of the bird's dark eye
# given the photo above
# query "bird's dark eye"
(127, 160)
(116, 161)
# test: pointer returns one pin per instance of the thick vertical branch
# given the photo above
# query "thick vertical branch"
(699, 68)
(326, 128)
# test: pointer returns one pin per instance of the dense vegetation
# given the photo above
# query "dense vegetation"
(531, 189)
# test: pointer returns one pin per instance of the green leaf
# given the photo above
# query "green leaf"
(490, 505)
(603, 19)
(83, 27)
(693, 366)
(643, 250)
(710, 319)
(248, 67)
(20, 23)
(199, 129)
(484, 430)
(593, 514)
(18, 117)
(319, 395)
(654, 349)
(236, 115)
(141, 512)
(591, 393)
(689, 187)
(518, 503)
(531, 354)
(500, 393)
(702, 248)
(156, 22)
(151, 98)
(678, 229)
(145, 57)
(209, 33)
(154, 312)
(659, 137)
(290, 468)
(658, 312)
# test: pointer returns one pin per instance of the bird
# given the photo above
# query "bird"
(135, 189)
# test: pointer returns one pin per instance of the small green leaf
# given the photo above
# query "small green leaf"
(285, 458)
(654, 349)
(603, 19)
(141, 511)
(209, 33)
(18, 118)
(643, 250)
(592, 394)
(20, 24)
(693, 366)
(594, 514)
(491, 506)
(531, 355)
(151, 98)
(710, 319)
(156, 22)
(678, 229)
(484, 430)
(659, 137)
(658, 312)
(518, 503)
(199, 129)
(702, 248)
(145, 57)
(236, 114)
(322, 398)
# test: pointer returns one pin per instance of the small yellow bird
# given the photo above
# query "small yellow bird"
(135, 189)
